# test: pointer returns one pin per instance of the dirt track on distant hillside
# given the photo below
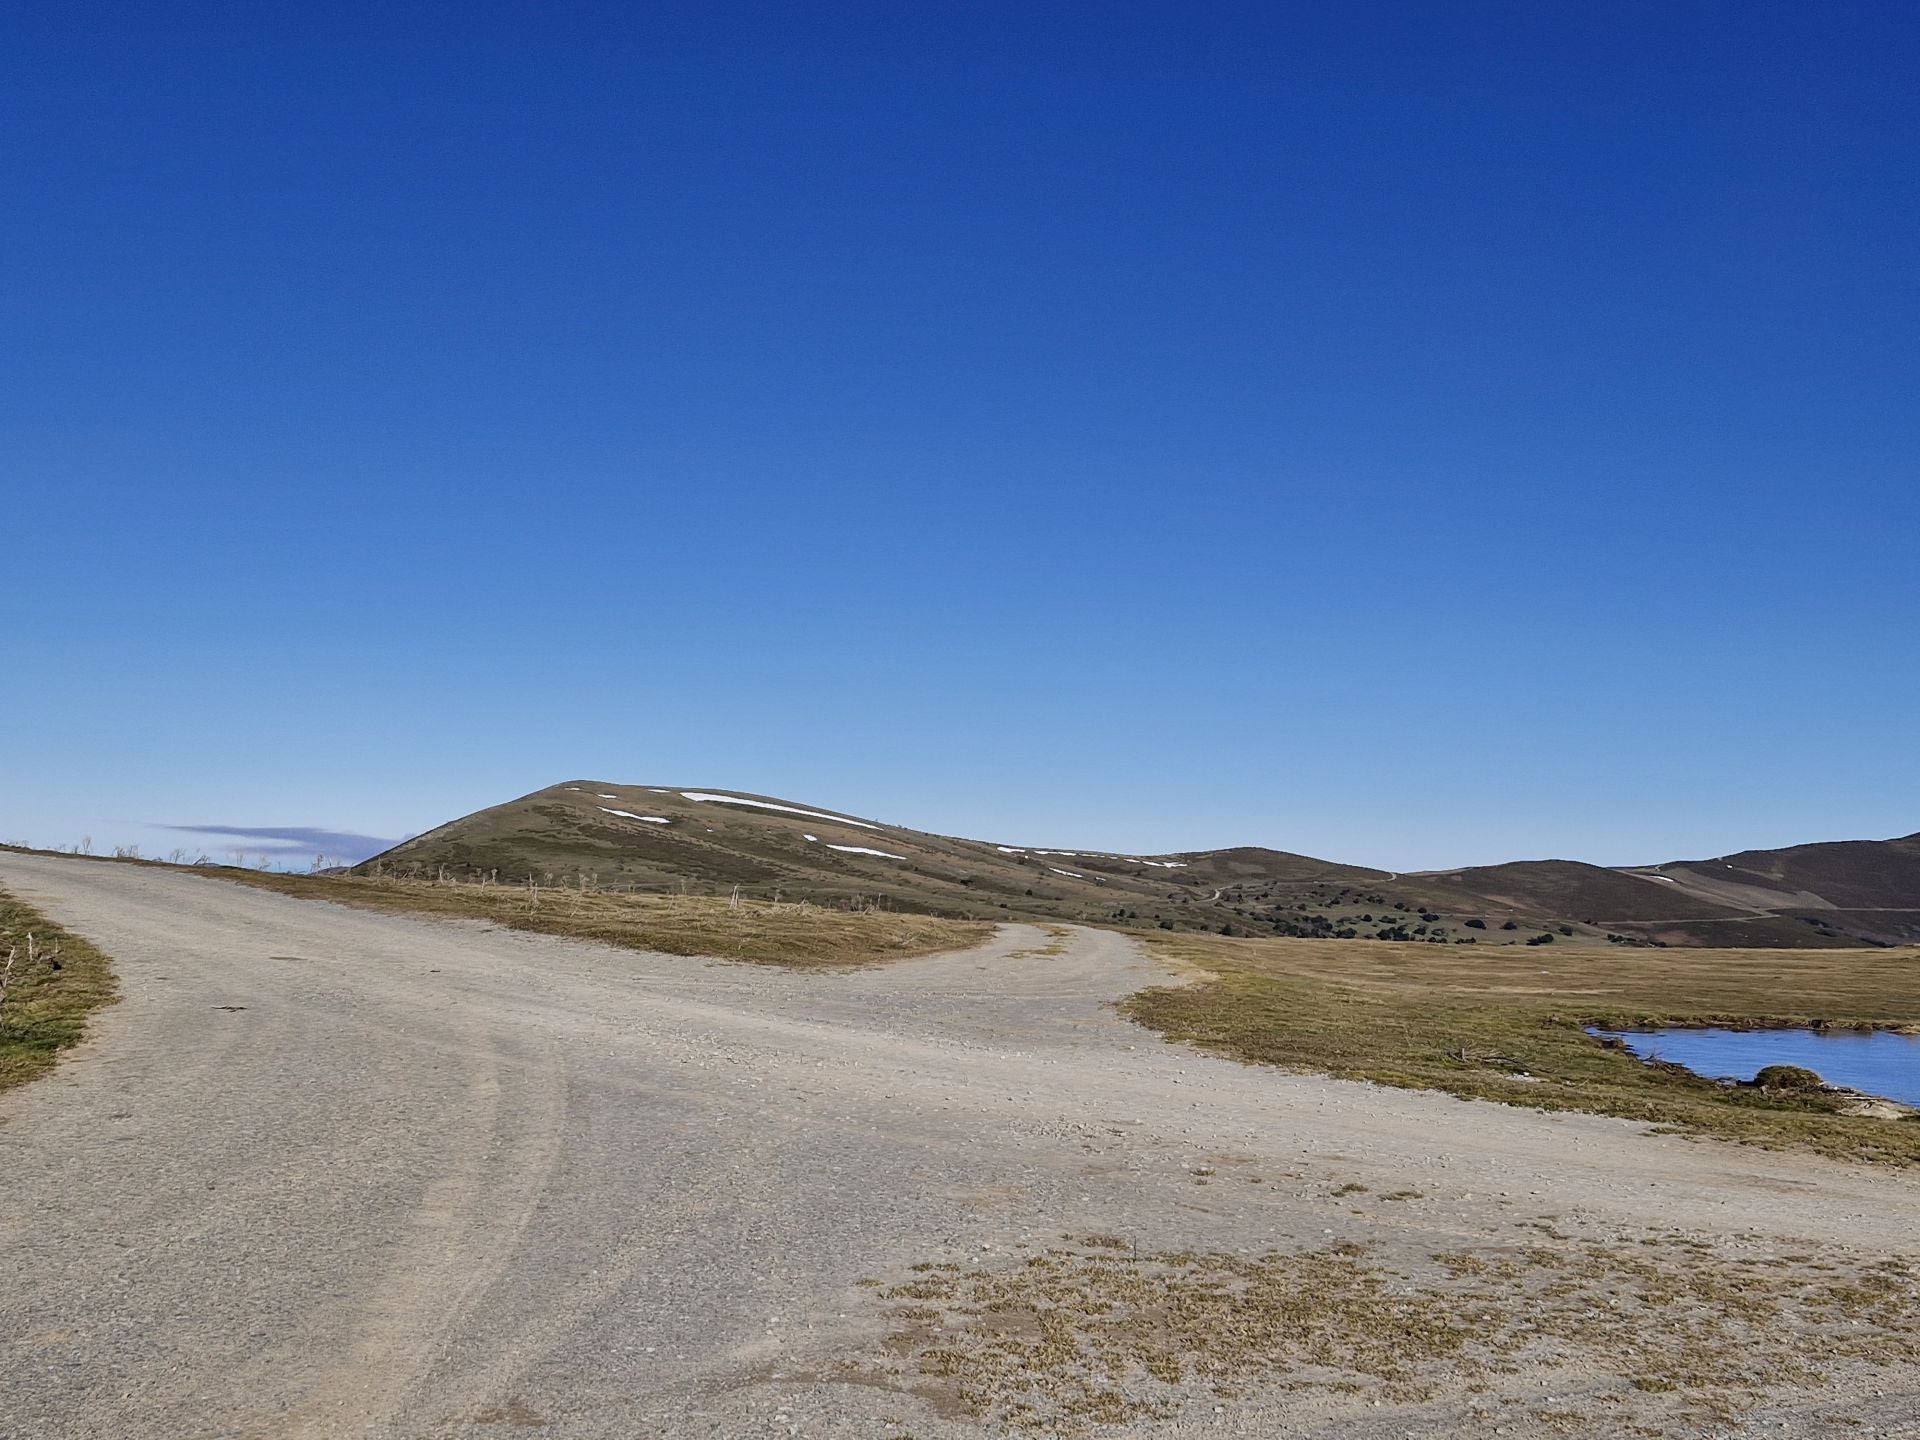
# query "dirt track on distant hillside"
(325, 1173)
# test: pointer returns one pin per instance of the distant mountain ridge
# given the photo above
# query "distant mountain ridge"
(669, 838)
(1845, 891)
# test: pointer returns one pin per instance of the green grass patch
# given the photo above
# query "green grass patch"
(54, 982)
(1509, 1026)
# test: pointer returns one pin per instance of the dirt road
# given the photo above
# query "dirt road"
(329, 1173)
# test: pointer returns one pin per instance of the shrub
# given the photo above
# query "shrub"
(1788, 1077)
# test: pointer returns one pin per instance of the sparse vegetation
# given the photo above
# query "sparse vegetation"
(1490, 1024)
(798, 935)
(1058, 937)
(50, 981)
(1094, 1332)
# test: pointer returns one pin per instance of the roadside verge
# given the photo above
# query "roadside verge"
(50, 982)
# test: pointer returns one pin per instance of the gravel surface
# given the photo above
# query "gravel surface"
(324, 1172)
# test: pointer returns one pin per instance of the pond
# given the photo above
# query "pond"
(1878, 1062)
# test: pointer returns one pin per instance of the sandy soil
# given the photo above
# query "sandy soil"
(330, 1173)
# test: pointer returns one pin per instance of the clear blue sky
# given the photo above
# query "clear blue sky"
(1410, 433)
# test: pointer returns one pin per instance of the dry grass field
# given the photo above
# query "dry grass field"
(798, 935)
(1670, 1335)
(1510, 1025)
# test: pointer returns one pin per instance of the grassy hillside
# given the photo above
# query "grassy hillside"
(655, 839)
(1644, 906)
(1848, 874)
(1839, 894)
(673, 840)
(1860, 889)
(1567, 887)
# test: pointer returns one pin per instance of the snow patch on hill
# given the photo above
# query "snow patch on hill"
(769, 805)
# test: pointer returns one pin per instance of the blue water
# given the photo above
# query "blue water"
(1875, 1061)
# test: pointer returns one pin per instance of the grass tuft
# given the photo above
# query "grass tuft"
(52, 981)
(1787, 1077)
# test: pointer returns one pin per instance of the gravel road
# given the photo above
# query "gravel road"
(323, 1172)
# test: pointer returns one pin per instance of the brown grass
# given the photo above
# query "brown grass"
(799, 936)
(1669, 1330)
(1509, 1025)
(56, 980)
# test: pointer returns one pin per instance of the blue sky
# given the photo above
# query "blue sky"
(1403, 433)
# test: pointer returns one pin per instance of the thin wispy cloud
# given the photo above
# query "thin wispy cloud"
(287, 841)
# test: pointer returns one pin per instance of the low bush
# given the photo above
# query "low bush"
(1788, 1077)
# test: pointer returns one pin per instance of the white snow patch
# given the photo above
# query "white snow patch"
(769, 805)
(629, 815)
(814, 838)
(606, 797)
(1091, 855)
(1071, 874)
(863, 850)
